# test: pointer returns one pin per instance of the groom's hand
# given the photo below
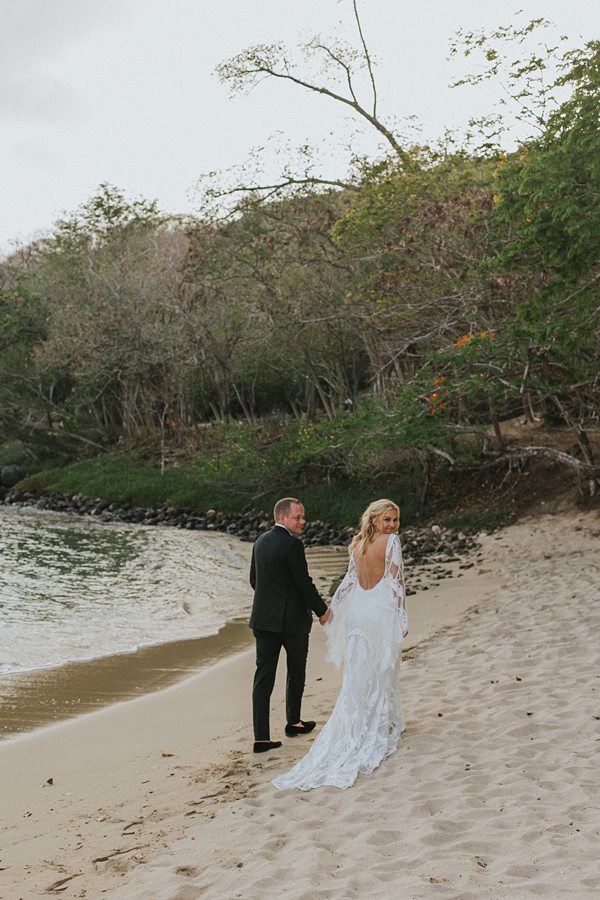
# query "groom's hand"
(324, 619)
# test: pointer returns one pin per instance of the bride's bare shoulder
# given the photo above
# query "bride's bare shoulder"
(379, 543)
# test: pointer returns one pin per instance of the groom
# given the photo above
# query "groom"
(284, 601)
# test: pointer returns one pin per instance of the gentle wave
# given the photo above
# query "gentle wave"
(74, 589)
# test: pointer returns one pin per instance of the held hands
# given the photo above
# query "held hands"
(324, 619)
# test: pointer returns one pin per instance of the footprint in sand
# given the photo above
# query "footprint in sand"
(384, 838)
(188, 871)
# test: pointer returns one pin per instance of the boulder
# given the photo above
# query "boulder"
(10, 475)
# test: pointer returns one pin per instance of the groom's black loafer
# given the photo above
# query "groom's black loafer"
(263, 746)
(304, 728)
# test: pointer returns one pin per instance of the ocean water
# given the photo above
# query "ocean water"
(72, 588)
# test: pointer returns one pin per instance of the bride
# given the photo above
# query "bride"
(364, 632)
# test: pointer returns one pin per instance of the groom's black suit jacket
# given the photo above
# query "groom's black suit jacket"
(284, 593)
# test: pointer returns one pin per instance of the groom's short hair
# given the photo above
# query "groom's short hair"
(284, 506)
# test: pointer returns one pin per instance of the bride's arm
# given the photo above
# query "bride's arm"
(345, 587)
(335, 625)
(396, 574)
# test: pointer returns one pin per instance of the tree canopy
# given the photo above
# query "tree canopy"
(439, 292)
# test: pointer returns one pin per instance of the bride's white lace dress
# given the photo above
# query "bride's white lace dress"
(365, 635)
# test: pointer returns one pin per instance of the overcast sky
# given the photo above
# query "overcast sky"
(124, 91)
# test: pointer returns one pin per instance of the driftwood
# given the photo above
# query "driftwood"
(517, 453)
(555, 455)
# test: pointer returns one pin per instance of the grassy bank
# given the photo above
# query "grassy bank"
(336, 467)
(122, 479)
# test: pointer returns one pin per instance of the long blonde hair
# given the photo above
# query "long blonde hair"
(367, 530)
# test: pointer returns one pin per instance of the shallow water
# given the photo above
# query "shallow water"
(72, 588)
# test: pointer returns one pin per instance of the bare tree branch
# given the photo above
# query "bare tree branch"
(442, 453)
(251, 64)
(551, 453)
(345, 67)
(285, 183)
(367, 56)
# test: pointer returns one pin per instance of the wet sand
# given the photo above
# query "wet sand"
(45, 696)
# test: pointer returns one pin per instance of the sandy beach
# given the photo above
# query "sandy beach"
(493, 791)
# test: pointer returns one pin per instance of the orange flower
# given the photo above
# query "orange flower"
(469, 338)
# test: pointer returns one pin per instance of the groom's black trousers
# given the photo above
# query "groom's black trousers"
(268, 646)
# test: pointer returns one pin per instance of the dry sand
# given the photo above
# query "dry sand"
(494, 791)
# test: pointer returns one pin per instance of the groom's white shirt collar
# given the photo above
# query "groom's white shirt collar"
(279, 525)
